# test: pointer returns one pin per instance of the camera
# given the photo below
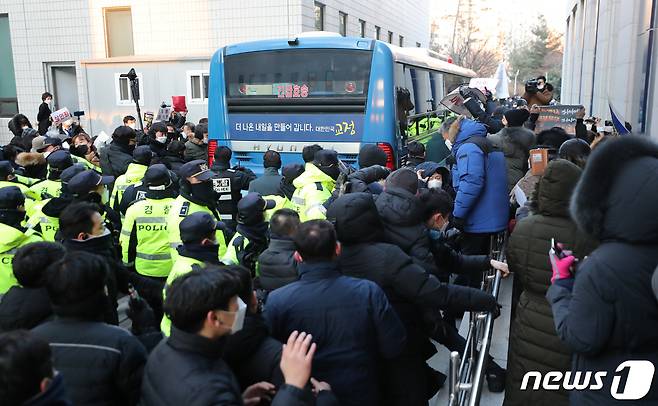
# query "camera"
(531, 86)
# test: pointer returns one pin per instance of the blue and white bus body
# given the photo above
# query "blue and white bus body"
(273, 114)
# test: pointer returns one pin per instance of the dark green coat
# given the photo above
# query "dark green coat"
(515, 142)
(534, 344)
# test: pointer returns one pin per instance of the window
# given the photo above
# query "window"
(319, 16)
(197, 86)
(362, 24)
(342, 23)
(401, 41)
(378, 31)
(122, 90)
(8, 99)
(417, 44)
(118, 32)
(390, 37)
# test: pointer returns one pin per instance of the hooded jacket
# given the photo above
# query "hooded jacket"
(534, 344)
(24, 308)
(430, 167)
(608, 314)
(12, 239)
(480, 180)
(313, 188)
(134, 174)
(515, 142)
(401, 214)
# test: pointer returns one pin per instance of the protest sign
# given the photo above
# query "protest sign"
(60, 116)
(563, 116)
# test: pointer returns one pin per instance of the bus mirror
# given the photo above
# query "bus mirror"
(293, 42)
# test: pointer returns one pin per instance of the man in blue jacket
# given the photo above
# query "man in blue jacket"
(479, 176)
(350, 319)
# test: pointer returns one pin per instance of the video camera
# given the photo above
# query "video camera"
(531, 86)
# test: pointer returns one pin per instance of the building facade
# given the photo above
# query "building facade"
(76, 49)
(610, 57)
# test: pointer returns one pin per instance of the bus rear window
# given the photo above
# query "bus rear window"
(298, 74)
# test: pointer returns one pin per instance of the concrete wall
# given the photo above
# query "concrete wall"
(609, 64)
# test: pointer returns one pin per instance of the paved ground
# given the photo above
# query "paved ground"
(498, 350)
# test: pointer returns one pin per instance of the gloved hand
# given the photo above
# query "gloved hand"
(141, 314)
(562, 267)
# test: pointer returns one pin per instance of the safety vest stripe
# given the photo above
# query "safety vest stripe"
(10, 252)
(225, 197)
(126, 233)
(151, 220)
(298, 201)
(225, 217)
(154, 257)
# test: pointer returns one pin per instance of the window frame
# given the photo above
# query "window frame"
(401, 40)
(200, 73)
(319, 6)
(378, 31)
(105, 32)
(362, 28)
(390, 37)
(342, 25)
(117, 90)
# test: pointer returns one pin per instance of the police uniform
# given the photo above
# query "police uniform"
(184, 205)
(6, 172)
(228, 185)
(144, 238)
(12, 237)
(134, 174)
(313, 188)
(191, 228)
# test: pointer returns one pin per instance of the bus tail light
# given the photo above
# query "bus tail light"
(390, 157)
(212, 147)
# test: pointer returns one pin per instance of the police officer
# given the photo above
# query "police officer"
(228, 184)
(12, 234)
(251, 237)
(91, 186)
(142, 156)
(315, 185)
(44, 217)
(8, 178)
(52, 186)
(196, 194)
(198, 233)
(144, 239)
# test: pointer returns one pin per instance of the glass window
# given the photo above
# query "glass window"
(378, 31)
(401, 41)
(8, 99)
(298, 74)
(198, 86)
(362, 24)
(119, 32)
(342, 23)
(390, 37)
(123, 93)
(319, 16)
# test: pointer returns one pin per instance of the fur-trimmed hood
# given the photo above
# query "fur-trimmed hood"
(617, 195)
(30, 159)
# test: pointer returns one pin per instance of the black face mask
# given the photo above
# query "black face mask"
(331, 171)
(204, 192)
(12, 218)
(80, 150)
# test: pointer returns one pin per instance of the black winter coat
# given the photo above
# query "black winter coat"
(115, 159)
(24, 308)
(402, 216)
(608, 314)
(277, 265)
(187, 369)
(515, 142)
(534, 344)
(268, 183)
(101, 364)
(43, 118)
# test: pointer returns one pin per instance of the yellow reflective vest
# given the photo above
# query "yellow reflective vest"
(134, 174)
(313, 188)
(180, 209)
(11, 239)
(182, 266)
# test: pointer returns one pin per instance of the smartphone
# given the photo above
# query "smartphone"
(557, 249)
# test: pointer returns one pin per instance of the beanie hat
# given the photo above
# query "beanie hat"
(516, 117)
(371, 155)
(403, 178)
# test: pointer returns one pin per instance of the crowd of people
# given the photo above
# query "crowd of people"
(318, 283)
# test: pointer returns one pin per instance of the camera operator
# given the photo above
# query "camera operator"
(472, 104)
(538, 92)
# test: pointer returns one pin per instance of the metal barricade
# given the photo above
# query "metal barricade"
(466, 373)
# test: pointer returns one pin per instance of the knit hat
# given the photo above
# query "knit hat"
(516, 117)
(403, 178)
(371, 155)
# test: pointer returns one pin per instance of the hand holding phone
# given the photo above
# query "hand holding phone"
(562, 261)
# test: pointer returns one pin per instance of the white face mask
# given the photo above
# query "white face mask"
(435, 183)
(162, 139)
(132, 125)
(238, 322)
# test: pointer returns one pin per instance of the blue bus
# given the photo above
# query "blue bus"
(320, 88)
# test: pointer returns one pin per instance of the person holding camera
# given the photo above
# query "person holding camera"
(538, 92)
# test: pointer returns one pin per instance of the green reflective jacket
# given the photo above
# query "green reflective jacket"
(181, 208)
(11, 239)
(313, 188)
(134, 174)
(182, 266)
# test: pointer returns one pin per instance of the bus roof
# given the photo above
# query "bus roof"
(419, 57)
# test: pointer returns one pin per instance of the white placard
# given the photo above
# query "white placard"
(60, 116)
(163, 114)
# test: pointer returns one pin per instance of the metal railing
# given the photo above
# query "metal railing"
(466, 372)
